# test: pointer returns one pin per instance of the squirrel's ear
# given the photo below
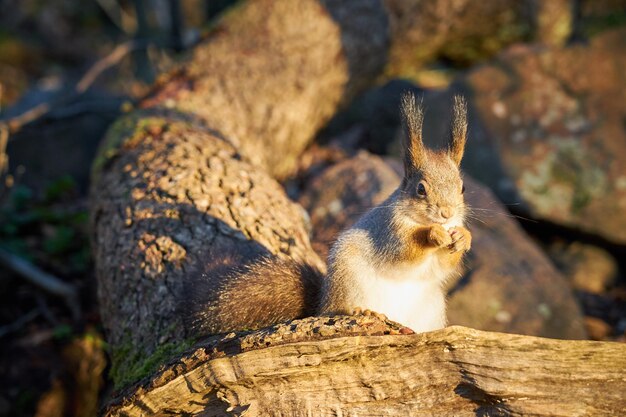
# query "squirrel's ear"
(458, 133)
(412, 119)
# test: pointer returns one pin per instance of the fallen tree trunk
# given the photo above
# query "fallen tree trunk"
(185, 183)
(181, 186)
(271, 73)
(177, 201)
(309, 367)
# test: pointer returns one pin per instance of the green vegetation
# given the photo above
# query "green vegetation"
(45, 228)
(598, 24)
(129, 366)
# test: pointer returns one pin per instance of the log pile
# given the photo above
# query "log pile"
(189, 179)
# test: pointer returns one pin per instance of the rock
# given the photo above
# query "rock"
(598, 329)
(342, 193)
(553, 134)
(588, 268)
(510, 285)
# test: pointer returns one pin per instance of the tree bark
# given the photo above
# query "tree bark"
(173, 200)
(309, 367)
(181, 184)
(185, 181)
(271, 73)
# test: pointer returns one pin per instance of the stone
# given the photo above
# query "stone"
(356, 185)
(548, 133)
(588, 268)
(510, 284)
(597, 328)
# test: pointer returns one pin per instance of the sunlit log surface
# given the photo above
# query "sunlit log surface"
(363, 366)
(185, 182)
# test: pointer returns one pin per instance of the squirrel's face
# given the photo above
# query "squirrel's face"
(434, 194)
(432, 188)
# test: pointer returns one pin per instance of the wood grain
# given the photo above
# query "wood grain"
(357, 369)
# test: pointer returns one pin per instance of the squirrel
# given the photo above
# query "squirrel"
(396, 259)
(393, 262)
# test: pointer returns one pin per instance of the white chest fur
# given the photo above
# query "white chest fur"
(408, 294)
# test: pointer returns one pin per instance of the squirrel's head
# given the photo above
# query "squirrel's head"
(432, 187)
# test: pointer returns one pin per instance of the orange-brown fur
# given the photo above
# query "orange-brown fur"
(413, 241)
(406, 240)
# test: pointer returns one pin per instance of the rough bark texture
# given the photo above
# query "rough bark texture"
(186, 180)
(172, 198)
(271, 73)
(183, 182)
(308, 367)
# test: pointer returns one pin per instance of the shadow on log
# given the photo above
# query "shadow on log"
(310, 367)
(187, 181)
(184, 183)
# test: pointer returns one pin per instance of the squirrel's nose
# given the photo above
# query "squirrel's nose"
(445, 212)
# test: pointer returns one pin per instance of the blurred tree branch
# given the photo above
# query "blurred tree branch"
(14, 124)
(126, 22)
(42, 279)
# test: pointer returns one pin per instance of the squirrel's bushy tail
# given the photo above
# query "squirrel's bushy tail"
(264, 292)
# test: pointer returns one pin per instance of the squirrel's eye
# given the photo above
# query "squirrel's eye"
(463, 189)
(421, 190)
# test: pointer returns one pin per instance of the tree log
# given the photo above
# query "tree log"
(177, 200)
(310, 367)
(271, 73)
(186, 181)
(181, 183)
(180, 186)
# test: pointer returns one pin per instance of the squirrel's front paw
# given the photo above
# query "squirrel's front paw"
(438, 236)
(359, 311)
(461, 239)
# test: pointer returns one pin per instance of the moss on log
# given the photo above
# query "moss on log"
(172, 200)
(187, 180)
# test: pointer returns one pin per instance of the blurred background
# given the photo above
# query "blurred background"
(547, 97)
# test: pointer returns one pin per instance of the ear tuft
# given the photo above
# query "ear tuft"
(458, 134)
(412, 120)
